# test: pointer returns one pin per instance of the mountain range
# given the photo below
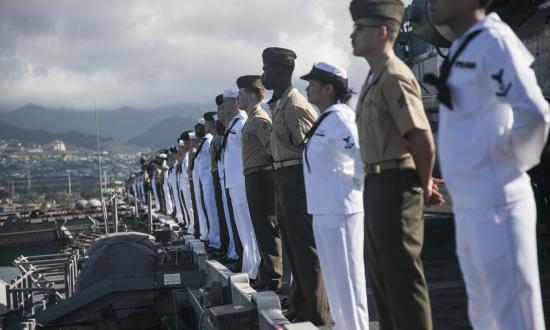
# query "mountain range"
(147, 128)
(37, 135)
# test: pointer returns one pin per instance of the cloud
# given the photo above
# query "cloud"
(147, 54)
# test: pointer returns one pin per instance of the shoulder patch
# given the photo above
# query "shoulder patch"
(348, 144)
(503, 87)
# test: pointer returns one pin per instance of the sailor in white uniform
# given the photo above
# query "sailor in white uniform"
(173, 180)
(156, 163)
(493, 126)
(199, 199)
(187, 137)
(231, 249)
(234, 181)
(333, 178)
(208, 204)
(166, 186)
(141, 186)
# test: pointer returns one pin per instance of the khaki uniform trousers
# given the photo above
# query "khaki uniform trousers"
(394, 235)
(307, 297)
(260, 192)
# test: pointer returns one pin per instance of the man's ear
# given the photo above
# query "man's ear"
(383, 33)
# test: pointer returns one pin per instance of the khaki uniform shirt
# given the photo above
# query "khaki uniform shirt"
(215, 147)
(255, 138)
(293, 116)
(389, 106)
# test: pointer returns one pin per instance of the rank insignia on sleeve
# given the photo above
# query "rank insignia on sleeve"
(349, 144)
(503, 88)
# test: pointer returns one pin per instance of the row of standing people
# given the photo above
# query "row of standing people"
(342, 210)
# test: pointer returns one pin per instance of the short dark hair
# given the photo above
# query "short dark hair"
(485, 3)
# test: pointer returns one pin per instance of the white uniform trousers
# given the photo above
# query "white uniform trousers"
(203, 226)
(339, 239)
(231, 250)
(155, 206)
(251, 255)
(209, 195)
(185, 189)
(167, 197)
(177, 203)
(497, 251)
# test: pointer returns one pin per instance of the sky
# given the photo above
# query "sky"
(151, 54)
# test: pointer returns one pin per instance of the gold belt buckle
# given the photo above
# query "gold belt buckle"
(376, 169)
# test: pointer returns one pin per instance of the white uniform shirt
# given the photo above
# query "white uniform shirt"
(499, 124)
(334, 177)
(203, 159)
(183, 177)
(232, 154)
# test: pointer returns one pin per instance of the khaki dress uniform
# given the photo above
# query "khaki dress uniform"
(260, 192)
(390, 106)
(293, 116)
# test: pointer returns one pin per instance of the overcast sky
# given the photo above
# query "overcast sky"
(149, 54)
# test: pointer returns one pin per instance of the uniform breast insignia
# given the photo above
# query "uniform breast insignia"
(465, 65)
(502, 86)
(320, 132)
(349, 144)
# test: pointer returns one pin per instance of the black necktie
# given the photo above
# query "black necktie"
(224, 142)
(310, 134)
(440, 83)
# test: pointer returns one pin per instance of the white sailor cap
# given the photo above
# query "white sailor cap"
(163, 156)
(328, 72)
(231, 92)
(180, 142)
(201, 121)
(215, 117)
(192, 135)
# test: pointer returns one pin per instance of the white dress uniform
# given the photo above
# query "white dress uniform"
(203, 225)
(209, 195)
(175, 193)
(234, 181)
(231, 250)
(495, 132)
(333, 178)
(186, 192)
(154, 185)
(166, 189)
(142, 189)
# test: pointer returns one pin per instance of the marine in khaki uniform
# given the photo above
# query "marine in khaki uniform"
(398, 153)
(293, 117)
(259, 182)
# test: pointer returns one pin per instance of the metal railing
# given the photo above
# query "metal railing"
(270, 315)
(52, 276)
